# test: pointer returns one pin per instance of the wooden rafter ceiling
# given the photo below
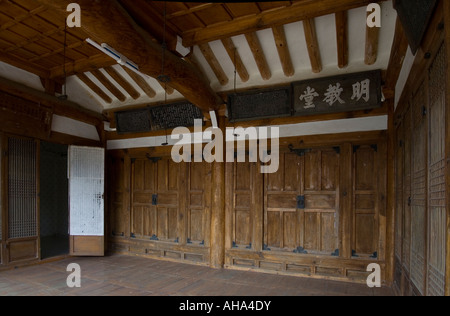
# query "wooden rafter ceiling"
(267, 43)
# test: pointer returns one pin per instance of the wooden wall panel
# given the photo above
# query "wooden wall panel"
(436, 178)
(419, 194)
(407, 193)
(118, 195)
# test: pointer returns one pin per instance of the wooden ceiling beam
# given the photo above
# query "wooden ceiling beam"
(283, 50)
(108, 85)
(398, 53)
(236, 59)
(298, 11)
(342, 38)
(153, 22)
(313, 45)
(214, 63)
(372, 38)
(108, 22)
(82, 66)
(25, 65)
(96, 89)
(123, 82)
(258, 55)
(60, 107)
(141, 82)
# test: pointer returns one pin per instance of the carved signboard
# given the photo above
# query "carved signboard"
(352, 92)
(259, 104)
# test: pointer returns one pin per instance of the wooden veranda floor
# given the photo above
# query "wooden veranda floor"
(135, 276)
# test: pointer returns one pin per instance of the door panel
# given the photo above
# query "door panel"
(86, 200)
(311, 178)
(281, 190)
(365, 232)
(321, 190)
(22, 234)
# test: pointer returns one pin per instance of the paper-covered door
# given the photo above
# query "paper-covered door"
(86, 201)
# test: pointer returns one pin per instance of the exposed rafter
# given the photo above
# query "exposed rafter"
(96, 89)
(283, 50)
(109, 85)
(122, 82)
(372, 38)
(236, 59)
(141, 82)
(342, 38)
(258, 54)
(298, 11)
(141, 49)
(312, 45)
(214, 63)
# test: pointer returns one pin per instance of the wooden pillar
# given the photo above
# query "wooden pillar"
(447, 139)
(390, 199)
(217, 255)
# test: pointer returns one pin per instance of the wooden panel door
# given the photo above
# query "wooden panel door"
(282, 218)
(365, 189)
(155, 199)
(437, 203)
(320, 218)
(86, 201)
(419, 191)
(243, 208)
(399, 214)
(21, 236)
(198, 204)
(302, 202)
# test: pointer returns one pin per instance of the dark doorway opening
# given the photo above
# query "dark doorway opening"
(54, 201)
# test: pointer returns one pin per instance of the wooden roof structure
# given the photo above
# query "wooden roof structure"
(230, 46)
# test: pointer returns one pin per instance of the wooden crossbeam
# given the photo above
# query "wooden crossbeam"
(141, 82)
(123, 82)
(96, 89)
(258, 54)
(312, 45)
(108, 85)
(236, 59)
(297, 11)
(83, 65)
(283, 50)
(214, 63)
(342, 38)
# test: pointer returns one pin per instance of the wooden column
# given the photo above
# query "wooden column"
(390, 196)
(217, 257)
(447, 139)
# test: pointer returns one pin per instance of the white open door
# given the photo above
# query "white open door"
(86, 201)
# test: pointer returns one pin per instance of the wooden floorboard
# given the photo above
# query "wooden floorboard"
(135, 276)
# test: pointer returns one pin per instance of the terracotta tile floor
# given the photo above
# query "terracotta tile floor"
(130, 276)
